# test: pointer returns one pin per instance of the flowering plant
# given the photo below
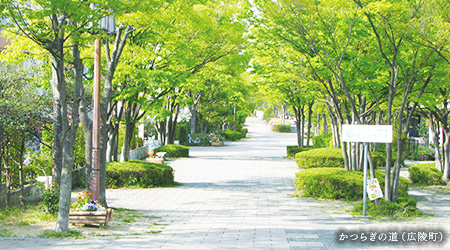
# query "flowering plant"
(214, 138)
(83, 204)
(152, 154)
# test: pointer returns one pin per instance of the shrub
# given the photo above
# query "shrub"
(231, 135)
(330, 183)
(294, 149)
(174, 151)
(282, 128)
(50, 200)
(183, 129)
(323, 141)
(244, 132)
(425, 174)
(319, 158)
(138, 174)
(336, 183)
(379, 159)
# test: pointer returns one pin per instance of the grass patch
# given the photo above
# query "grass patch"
(54, 234)
(29, 215)
(404, 208)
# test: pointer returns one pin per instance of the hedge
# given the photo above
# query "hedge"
(231, 135)
(336, 183)
(323, 141)
(319, 158)
(425, 174)
(173, 150)
(292, 150)
(138, 174)
(283, 128)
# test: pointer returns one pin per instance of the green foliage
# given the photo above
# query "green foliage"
(282, 128)
(231, 135)
(50, 200)
(405, 207)
(138, 174)
(54, 234)
(173, 151)
(269, 114)
(323, 141)
(330, 183)
(379, 159)
(183, 129)
(42, 163)
(320, 158)
(336, 183)
(425, 174)
(294, 149)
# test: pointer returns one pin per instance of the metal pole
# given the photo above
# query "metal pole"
(95, 172)
(366, 151)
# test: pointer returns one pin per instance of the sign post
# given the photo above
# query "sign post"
(366, 134)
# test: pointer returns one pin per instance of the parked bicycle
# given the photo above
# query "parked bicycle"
(198, 141)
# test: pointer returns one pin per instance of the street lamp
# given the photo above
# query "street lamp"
(108, 25)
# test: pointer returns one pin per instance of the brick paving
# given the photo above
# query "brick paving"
(240, 196)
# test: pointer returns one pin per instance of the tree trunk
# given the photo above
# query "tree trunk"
(86, 124)
(129, 128)
(193, 110)
(308, 136)
(446, 151)
(325, 124)
(112, 61)
(22, 191)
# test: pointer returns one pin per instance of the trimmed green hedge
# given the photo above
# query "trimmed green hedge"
(138, 174)
(319, 158)
(425, 174)
(173, 150)
(336, 183)
(292, 150)
(323, 141)
(329, 183)
(231, 135)
(282, 128)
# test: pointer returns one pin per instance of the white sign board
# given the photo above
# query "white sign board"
(374, 190)
(367, 133)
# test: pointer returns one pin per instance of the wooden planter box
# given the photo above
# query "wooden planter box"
(95, 218)
(155, 160)
(217, 144)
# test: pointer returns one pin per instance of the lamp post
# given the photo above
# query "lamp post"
(107, 24)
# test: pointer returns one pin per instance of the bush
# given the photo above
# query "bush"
(320, 158)
(282, 128)
(330, 183)
(292, 150)
(379, 159)
(425, 174)
(183, 129)
(336, 183)
(323, 141)
(244, 132)
(174, 151)
(231, 135)
(50, 200)
(138, 174)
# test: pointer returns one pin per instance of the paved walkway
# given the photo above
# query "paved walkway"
(240, 197)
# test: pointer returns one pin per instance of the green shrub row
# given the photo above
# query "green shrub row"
(138, 174)
(320, 157)
(283, 128)
(323, 141)
(292, 150)
(173, 150)
(336, 183)
(232, 135)
(425, 174)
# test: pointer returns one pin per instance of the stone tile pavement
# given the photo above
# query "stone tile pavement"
(240, 196)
